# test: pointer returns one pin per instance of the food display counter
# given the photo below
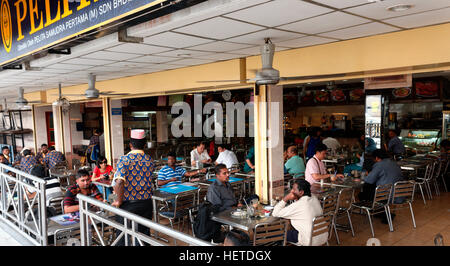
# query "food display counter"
(421, 140)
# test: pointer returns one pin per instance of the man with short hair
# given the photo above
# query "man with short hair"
(236, 238)
(53, 158)
(7, 154)
(84, 186)
(172, 174)
(133, 181)
(331, 142)
(28, 161)
(226, 156)
(395, 145)
(301, 214)
(294, 164)
(199, 154)
(220, 192)
(42, 153)
(315, 168)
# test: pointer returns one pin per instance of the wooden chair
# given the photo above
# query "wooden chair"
(269, 234)
(380, 201)
(404, 195)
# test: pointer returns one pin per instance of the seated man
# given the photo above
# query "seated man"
(84, 186)
(226, 156)
(41, 155)
(53, 158)
(301, 214)
(331, 142)
(199, 154)
(7, 154)
(315, 168)
(220, 192)
(356, 166)
(172, 174)
(294, 164)
(384, 171)
(28, 161)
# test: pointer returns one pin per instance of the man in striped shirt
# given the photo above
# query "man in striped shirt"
(172, 174)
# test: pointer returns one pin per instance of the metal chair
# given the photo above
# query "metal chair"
(330, 205)
(178, 209)
(56, 204)
(443, 175)
(320, 225)
(270, 234)
(380, 201)
(435, 176)
(423, 181)
(345, 200)
(404, 194)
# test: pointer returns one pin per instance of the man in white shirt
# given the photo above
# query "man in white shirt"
(301, 213)
(226, 156)
(331, 142)
(200, 154)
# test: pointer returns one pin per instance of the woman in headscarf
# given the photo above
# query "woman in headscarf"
(370, 145)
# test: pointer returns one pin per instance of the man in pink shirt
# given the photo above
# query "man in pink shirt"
(315, 168)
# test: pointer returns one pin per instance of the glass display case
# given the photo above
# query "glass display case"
(446, 125)
(420, 139)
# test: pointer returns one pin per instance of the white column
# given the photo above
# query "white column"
(116, 130)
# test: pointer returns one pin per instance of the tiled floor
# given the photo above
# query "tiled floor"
(431, 219)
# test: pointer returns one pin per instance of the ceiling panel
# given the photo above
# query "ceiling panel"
(220, 56)
(422, 19)
(342, 3)
(288, 10)
(378, 10)
(183, 53)
(257, 38)
(137, 48)
(191, 62)
(69, 66)
(108, 55)
(256, 50)
(219, 28)
(305, 41)
(152, 59)
(175, 40)
(360, 31)
(125, 64)
(220, 47)
(88, 62)
(327, 22)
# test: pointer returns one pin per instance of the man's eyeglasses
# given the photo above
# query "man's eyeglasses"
(102, 162)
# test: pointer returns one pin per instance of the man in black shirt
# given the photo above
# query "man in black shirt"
(220, 192)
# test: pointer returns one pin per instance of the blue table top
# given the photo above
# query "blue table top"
(232, 179)
(175, 189)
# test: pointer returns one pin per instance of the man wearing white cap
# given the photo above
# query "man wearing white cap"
(133, 181)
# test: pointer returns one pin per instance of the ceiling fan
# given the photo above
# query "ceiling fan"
(63, 102)
(92, 92)
(21, 102)
(270, 76)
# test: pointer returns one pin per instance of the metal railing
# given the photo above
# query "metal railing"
(129, 229)
(26, 216)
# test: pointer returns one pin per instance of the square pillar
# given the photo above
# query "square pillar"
(116, 124)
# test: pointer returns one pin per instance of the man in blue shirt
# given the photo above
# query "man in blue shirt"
(172, 174)
(395, 145)
(384, 171)
(294, 164)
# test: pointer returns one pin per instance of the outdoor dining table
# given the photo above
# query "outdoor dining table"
(244, 223)
(169, 193)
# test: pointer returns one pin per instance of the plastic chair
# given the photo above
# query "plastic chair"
(345, 200)
(380, 201)
(270, 234)
(404, 194)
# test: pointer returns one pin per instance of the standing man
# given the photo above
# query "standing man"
(200, 154)
(395, 145)
(294, 164)
(133, 181)
(41, 155)
(315, 168)
(226, 156)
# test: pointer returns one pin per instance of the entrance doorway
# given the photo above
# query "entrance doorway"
(50, 128)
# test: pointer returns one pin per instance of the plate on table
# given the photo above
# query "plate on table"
(239, 213)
